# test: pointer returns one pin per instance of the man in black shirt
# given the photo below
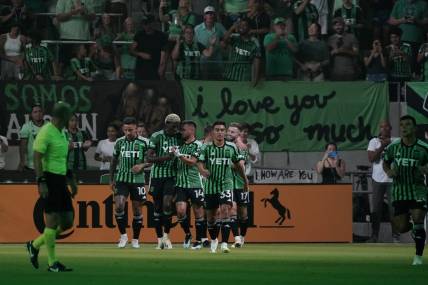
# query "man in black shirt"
(149, 48)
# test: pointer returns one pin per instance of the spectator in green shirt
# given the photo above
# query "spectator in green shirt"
(127, 60)
(423, 59)
(79, 143)
(81, 66)
(280, 49)
(411, 17)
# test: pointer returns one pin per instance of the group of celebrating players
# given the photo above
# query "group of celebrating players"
(208, 174)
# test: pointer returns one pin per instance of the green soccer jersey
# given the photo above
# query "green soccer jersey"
(238, 182)
(400, 63)
(189, 60)
(218, 161)
(129, 153)
(424, 51)
(188, 175)
(162, 144)
(76, 159)
(39, 62)
(241, 55)
(29, 132)
(53, 144)
(409, 182)
(85, 66)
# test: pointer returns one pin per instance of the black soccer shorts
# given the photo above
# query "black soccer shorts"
(59, 198)
(195, 195)
(213, 201)
(404, 206)
(136, 191)
(241, 197)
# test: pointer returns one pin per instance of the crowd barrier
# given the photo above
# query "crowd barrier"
(277, 213)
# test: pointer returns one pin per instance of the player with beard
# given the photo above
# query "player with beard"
(241, 197)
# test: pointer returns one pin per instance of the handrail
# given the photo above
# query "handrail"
(96, 14)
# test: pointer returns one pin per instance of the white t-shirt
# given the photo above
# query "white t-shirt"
(378, 174)
(2, 160)
(253, 150)
(105, 149)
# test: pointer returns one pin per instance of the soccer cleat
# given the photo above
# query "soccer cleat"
(160, 244)
(187, 241)
(135, 243)
(214, 244)
(242, 241)
(417, 260)
(33, 253)
(237, 243)
(58, 267)
(123, 241)
(196, 245)
(224, 247)
(205, 242)
(166, 242)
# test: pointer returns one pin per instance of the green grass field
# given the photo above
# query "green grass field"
(254, 264)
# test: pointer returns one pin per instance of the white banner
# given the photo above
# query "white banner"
(284, 176)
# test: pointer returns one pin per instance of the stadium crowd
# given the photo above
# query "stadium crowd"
(235, 40)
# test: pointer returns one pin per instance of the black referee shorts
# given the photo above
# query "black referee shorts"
(59, 198)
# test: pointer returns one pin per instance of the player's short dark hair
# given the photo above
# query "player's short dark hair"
(408, 117)
(331, 143)
(129, 121)
(189, 122)
(236, 125)
(218, 123)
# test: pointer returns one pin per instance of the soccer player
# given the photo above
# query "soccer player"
(189, 185)
(27, 136)
(127, 179)
(406, 161)
(162, 176)
(215, 163)
(240, 197)
(50, 164)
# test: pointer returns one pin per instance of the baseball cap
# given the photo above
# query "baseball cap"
(209, 9)
(279, 20)
(172, 118)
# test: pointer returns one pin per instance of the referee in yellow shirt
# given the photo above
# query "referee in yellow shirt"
(50, 165)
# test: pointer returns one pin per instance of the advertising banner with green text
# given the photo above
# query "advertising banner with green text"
(417, 101)
(294, 116)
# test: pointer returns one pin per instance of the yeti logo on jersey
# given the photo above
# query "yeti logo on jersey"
(220, 161)
(407, 162)
(129, 153)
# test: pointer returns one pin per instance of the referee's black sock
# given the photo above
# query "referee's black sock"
(199, 225)
(121, 222)
(166, 221)
(419, 235)
(184, 222)
(234, 226)
(137, 224)
(225, 230)
(158, 224)
(243, 226)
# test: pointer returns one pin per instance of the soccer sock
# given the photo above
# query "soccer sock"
(419, 236)
(212, 229)
(121, 222)
(39, 241)
(50, 237)
(167, 221)
(204, 229)
(199, 225)
(158, 225)
(184, 222)
(234, 226)
(225, 230)
(137, 224)
(243, 226)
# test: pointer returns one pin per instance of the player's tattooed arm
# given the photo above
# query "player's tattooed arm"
(113, 166)
(240, 168)
(202, 170)
(389, 169)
